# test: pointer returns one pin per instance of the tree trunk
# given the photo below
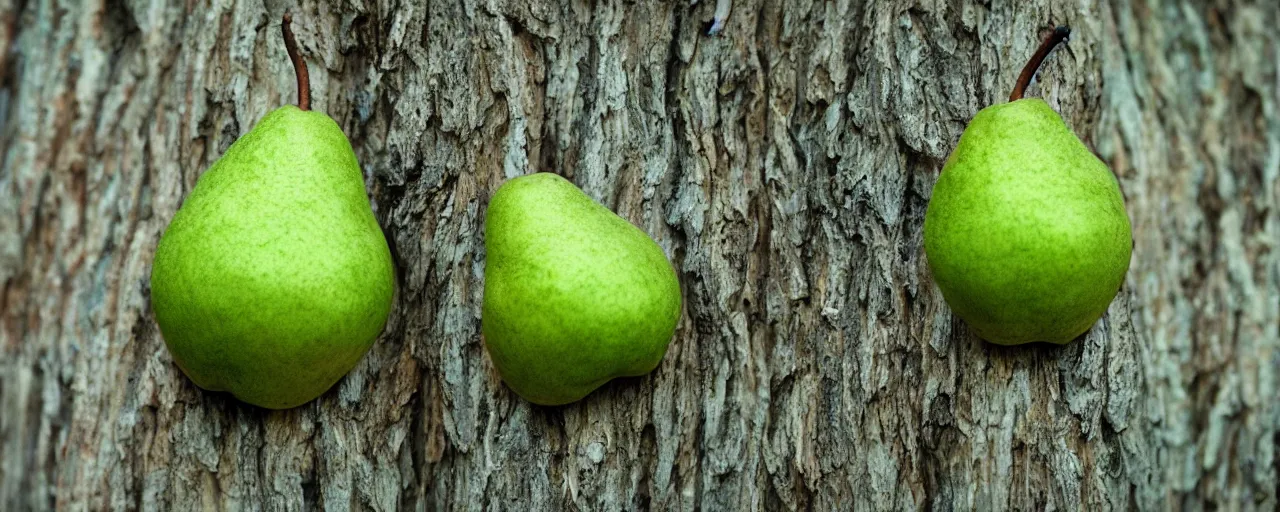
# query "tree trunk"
(785, 166)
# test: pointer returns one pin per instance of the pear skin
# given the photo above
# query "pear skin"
(274, 278)
(574, 295)
(1026, 232)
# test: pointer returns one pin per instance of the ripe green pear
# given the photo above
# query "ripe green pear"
(1026, 233)
(574, 295)
(274, 278)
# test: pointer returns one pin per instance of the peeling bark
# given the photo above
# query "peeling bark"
(784, 164)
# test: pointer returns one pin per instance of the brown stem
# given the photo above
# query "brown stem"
(299, 65)
(1059, 35)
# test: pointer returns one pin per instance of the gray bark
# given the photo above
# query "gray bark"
(785, 165)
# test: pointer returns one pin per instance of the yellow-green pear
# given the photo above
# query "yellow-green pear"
(1026, 232)
(274, 278)
(574, 295)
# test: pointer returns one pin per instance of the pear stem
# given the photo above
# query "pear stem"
(1059, 35)
(299, 65)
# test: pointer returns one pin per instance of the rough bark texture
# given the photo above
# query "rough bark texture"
(785, 166)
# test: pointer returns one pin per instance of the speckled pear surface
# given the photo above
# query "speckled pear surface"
(1026, 233)
(273, 278)
(574, 295)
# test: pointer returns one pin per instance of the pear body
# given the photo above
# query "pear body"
(574, 295)
(274, 278)
(1026, 232)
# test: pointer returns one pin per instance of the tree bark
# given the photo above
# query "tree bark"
(784, 164)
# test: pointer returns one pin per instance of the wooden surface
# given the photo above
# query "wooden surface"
(784, 165)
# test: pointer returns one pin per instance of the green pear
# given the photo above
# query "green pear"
(274, 278)
(1026, 232)
(574, 295)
